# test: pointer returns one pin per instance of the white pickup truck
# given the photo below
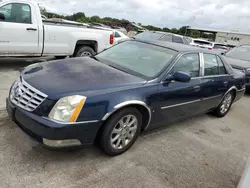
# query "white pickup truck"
(23, 33)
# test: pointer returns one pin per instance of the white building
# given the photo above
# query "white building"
(228, 37)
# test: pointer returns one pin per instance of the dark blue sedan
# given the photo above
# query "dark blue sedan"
(115, 95)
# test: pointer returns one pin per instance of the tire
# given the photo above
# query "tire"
(84, 51)
(60, 57)
(227, 101)
(113, 131)
(248, 90)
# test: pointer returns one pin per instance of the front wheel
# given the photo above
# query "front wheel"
(224, 106)
(121, 131)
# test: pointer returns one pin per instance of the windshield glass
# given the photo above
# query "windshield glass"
(148, 36)
(242, 52)
(137, 58)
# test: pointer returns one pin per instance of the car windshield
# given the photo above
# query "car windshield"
(242, 52)
(148, 36)
(137, 58)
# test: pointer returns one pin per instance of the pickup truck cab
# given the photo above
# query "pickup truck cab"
(23, 32)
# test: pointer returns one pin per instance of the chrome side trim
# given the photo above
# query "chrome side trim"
(126, 103)
(216, 96)
(239, 90)
(180, 104)
(70, 123)
(212, 76)
(201, 64)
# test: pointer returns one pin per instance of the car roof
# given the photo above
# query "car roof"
(177, 46)
(164, 33)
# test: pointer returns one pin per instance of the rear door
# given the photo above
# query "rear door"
(18, 30)
(215, 82)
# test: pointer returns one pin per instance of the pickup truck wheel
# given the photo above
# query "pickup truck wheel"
(84, 51)
(121, 131)
(60, 57)
(224, 106)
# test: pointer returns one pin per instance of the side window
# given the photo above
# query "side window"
(177, 39)
(117, 35)
(210, 65)
(16, 13)
(222, 68)
(167, 38)
(189, 63)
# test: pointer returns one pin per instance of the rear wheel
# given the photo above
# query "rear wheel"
(248, 89)
(84, 51)
(121, 131)
(224, 106)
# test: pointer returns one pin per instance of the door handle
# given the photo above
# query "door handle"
(195, 88)
(225, 83)
(31, 29)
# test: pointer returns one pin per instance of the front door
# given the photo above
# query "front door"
(18, 30)
(176, 99)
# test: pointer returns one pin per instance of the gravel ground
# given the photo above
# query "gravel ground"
(202, 151)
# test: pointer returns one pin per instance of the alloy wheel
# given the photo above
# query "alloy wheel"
(226, 103)
(124, 132)
(85, 54)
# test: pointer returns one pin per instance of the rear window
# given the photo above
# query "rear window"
(177, 39)
(202, 42)
(220, 46)
(148, 36)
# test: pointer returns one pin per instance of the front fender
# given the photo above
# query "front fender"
(101, 107)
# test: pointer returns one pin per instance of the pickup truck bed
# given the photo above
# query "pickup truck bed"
(34, 37)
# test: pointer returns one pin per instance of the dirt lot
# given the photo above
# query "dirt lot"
(200, 152)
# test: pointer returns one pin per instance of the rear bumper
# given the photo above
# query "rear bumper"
(50, 133)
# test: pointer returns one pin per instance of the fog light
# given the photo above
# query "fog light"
(61, 143)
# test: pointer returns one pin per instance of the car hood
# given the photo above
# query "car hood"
(237, 63)
(77, 76)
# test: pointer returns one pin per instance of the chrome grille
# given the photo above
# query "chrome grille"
(25, 96)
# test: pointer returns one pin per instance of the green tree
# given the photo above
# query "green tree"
(165, 29)
(95, 19)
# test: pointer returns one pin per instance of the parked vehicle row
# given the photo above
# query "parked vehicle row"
(25, 33)
(115, 95)
(239, 58)
(170, 37)
(163, 36)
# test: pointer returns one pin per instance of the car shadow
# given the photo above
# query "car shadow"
(18, 63)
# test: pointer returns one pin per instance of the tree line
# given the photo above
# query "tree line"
(114, 22)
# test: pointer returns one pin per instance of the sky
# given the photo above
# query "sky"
(212, 14)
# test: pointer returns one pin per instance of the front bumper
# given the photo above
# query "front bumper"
(50, 133)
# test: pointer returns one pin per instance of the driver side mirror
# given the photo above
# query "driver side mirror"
(180, 77)
(2, 16)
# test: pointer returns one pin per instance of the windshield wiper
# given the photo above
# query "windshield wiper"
(117, 68)
(95, 58)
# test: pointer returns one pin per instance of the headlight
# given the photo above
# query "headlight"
(67, 109)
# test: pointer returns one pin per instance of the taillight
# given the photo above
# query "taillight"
(210, 48)
(111, 39)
